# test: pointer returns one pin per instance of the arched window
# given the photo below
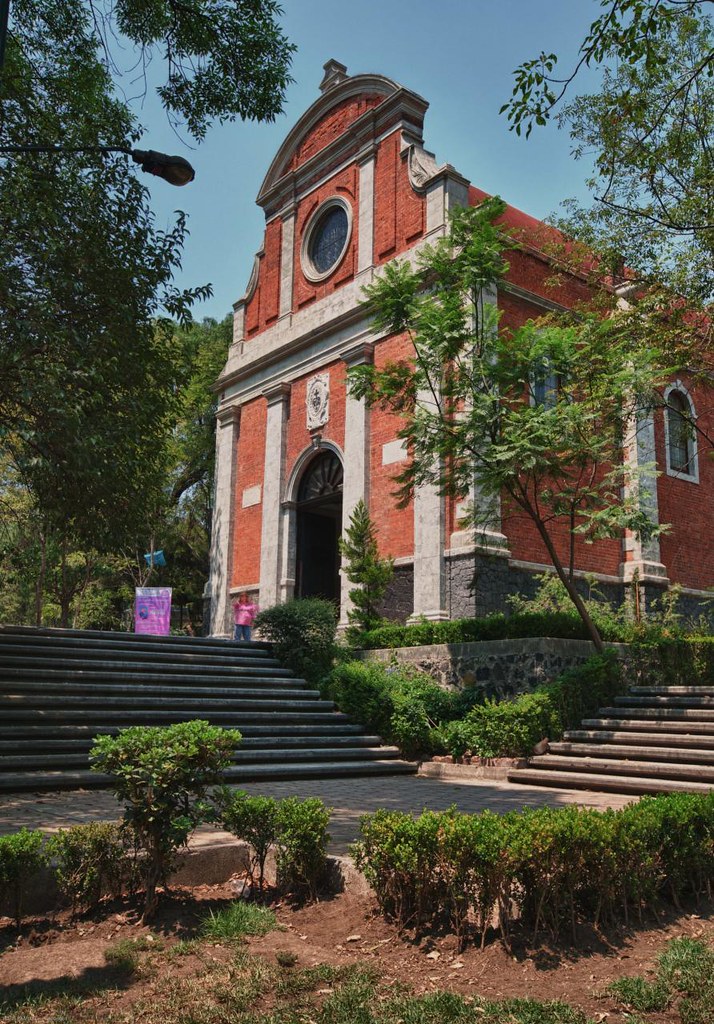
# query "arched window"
(680, 434)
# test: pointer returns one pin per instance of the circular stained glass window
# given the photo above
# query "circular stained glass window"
(326, 239)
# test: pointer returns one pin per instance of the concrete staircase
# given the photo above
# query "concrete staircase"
(61, 688)
(657, 739)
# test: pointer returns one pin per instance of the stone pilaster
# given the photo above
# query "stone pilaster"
(365, 229)
(271, 532)
(429, 538)
(227, 432)
(286, 264)
(356, 458)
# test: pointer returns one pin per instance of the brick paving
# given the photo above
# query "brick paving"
(348, 798)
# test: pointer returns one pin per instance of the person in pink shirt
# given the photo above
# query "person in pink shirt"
(244, 613)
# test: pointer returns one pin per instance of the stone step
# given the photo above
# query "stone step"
(663, 701)
(9, 748)
(15, 648)
(638, 753)
(616, 722)
(324, 726)
(79, 759)
(97, 636)
(10, 674)
(664, 712)
(697, 691)
(612, 766)
(650, 739)
(56, 780)
(299, 700)
(282, 688)
(603, 783)
(99, 662)
(166, 716)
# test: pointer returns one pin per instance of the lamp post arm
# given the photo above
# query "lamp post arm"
(174, 169)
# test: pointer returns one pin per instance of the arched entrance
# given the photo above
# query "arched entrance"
(319, 524)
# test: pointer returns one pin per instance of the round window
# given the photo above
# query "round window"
(325, 240)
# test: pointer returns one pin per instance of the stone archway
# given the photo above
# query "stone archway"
(319, 525)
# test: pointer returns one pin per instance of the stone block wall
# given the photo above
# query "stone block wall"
(500, 668)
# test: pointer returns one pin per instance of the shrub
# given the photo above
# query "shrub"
(253, 819)
(303, 635)
(161, 774)
(21, 857)
(558, 867)
(511, 728)
(297, 828)
(90, 861)
(302, 845)
(402, 705)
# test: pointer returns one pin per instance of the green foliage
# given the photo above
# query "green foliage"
(301, 855)
(124, 955)
(684, 968)
(236, 921)
(364, 567)
(558, 867)
(400, 704)
(640, 994)
(303, 635)
(90, 367)
(504, 728)
(561, 624)
(469, 396)
(21, 857)
(254, 819)
(296, 828)
(91, 861)
(161, 774)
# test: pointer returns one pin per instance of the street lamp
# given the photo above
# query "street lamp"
(173, 169)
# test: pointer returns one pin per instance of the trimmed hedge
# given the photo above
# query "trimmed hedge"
(563, 625)
(552, 868)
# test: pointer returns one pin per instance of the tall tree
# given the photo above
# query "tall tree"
(650, 131)
(89, 371)
(370, 573)
(536, 418)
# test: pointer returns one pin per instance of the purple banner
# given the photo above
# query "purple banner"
(152, 611)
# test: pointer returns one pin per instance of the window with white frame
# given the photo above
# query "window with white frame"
(680, 433)
(545, 384)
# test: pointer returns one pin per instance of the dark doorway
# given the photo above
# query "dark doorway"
(319, 524)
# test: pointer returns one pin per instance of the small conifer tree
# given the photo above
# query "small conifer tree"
(366, 569)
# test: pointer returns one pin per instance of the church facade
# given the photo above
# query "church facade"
(351, 188)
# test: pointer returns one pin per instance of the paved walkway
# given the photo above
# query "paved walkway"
(348, 798)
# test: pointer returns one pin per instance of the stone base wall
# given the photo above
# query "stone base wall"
(499, 668)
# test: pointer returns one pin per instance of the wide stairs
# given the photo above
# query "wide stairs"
(656, 739)
(61, 688)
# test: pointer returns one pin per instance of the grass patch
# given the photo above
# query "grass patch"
(236, 921)
(640, 994)
(124, 955)
(684, 968)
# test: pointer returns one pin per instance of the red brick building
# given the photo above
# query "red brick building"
(351, 188)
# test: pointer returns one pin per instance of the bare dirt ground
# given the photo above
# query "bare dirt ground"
(61, 952)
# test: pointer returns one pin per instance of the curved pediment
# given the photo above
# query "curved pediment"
(344, 101)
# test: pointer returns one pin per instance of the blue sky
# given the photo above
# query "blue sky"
(458, 54)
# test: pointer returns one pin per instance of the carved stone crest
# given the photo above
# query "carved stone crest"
(422, 166)
(317, 401)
